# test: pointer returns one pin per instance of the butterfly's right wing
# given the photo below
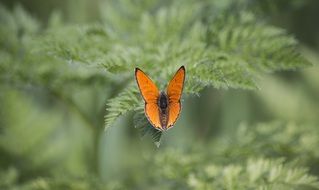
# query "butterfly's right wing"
(174, 92)
(150, 94)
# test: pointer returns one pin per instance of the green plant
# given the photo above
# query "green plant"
(58, 78)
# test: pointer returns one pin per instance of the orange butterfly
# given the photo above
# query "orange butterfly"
(161, 108)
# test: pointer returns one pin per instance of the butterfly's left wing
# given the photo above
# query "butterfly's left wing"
(174, 93)
(150, 95)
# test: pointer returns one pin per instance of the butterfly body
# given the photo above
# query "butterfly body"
(161, 108)
(163, 112)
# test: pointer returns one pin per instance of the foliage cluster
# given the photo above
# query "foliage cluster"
(58, 81)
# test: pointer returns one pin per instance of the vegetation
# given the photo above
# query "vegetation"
(71, 116)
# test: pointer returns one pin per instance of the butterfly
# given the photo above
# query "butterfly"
(161, 108)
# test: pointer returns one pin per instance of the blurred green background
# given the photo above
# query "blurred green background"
(52, 133)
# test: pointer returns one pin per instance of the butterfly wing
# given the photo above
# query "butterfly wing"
(150, 95)
(174, 93)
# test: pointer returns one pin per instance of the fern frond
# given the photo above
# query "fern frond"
(225, 51)
(253, 173)
(265, 48)
(141, 123)
(123, 103)
(275, 139)
(228, 52)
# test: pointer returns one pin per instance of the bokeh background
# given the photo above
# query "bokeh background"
(50, 140)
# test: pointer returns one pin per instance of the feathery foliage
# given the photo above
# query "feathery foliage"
(57, 77)
(256, 159)
(224, 50)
